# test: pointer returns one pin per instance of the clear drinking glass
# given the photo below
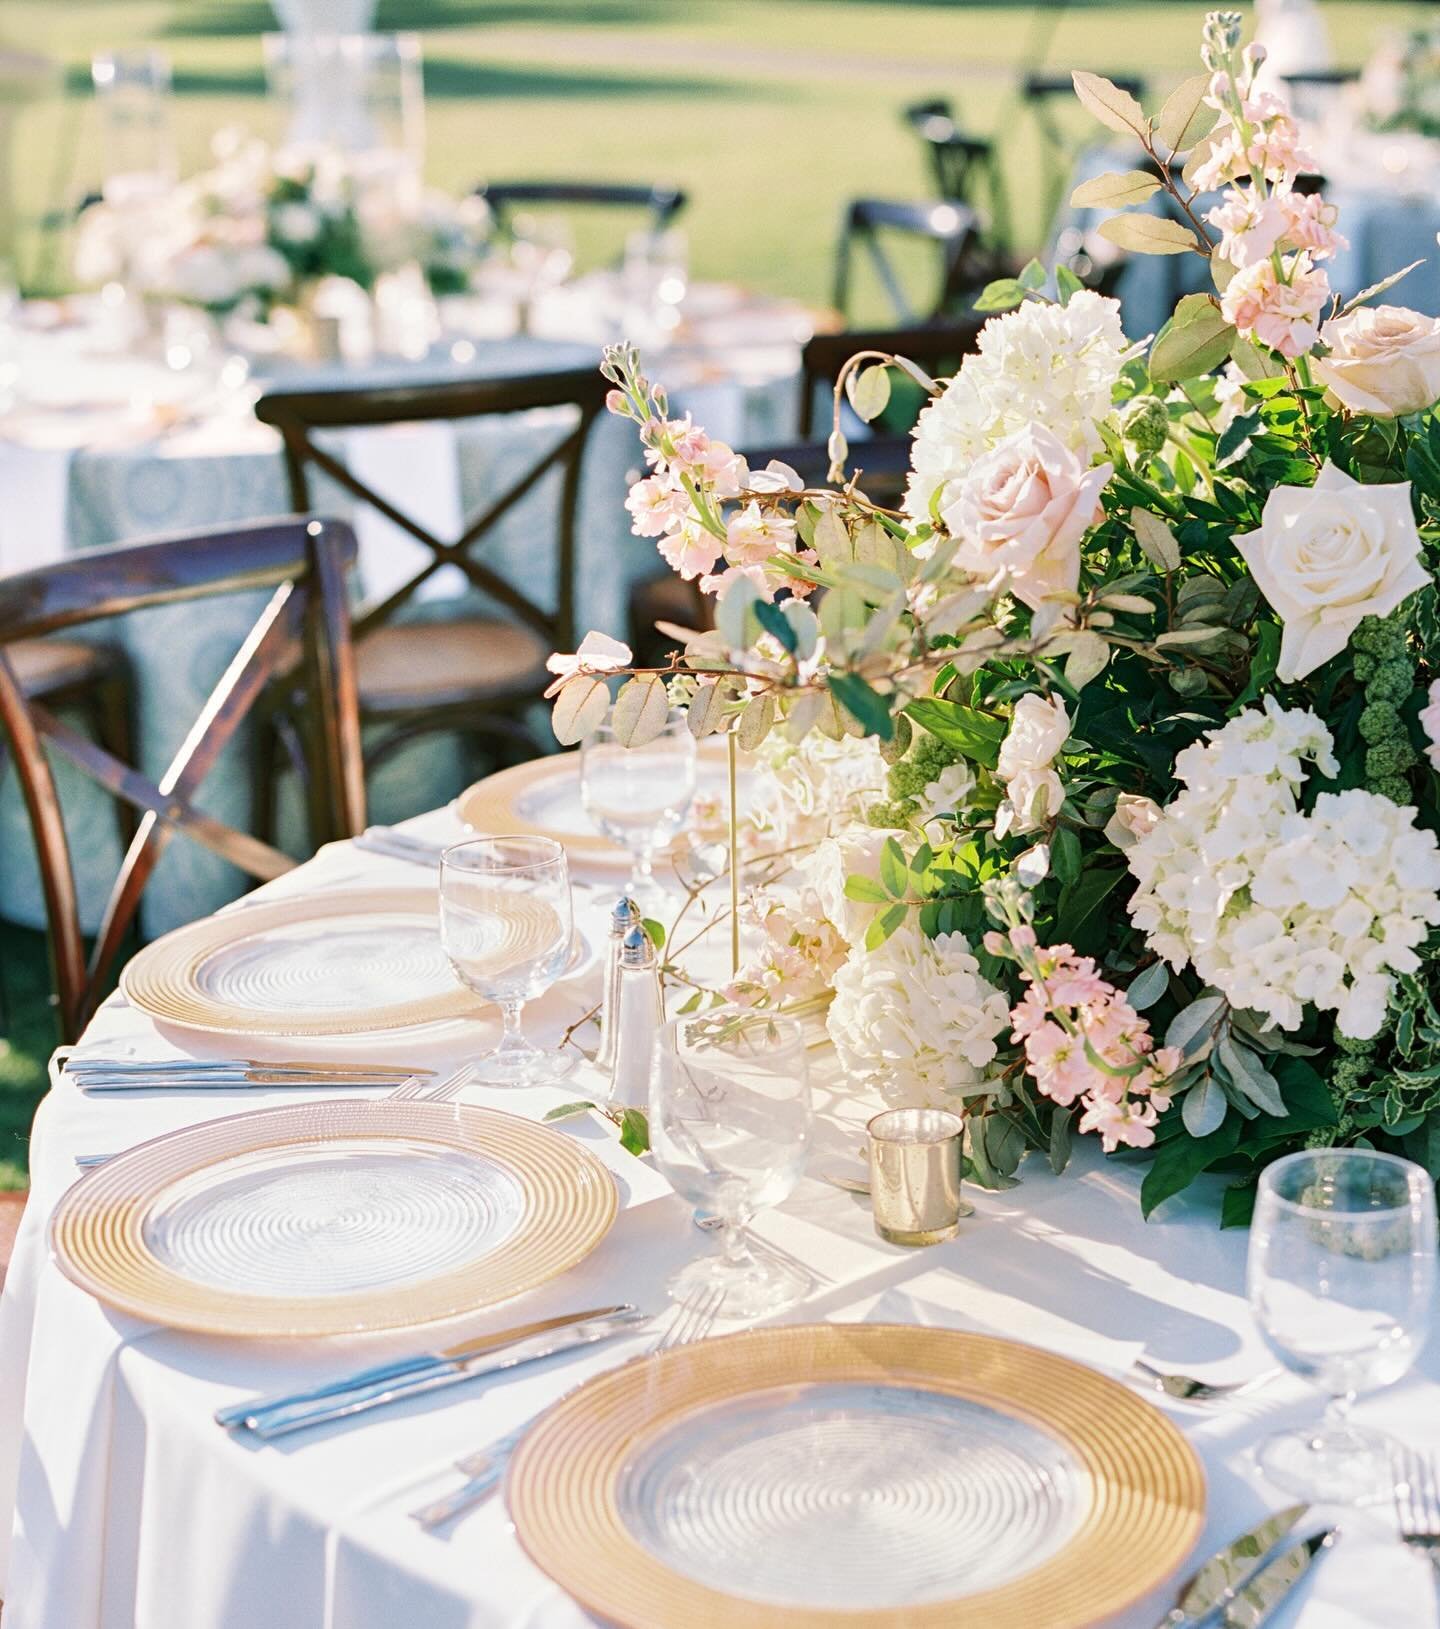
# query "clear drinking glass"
(639, 796)
(132, 90)
(507, 926)
(730, 1124)
(1341, 1282)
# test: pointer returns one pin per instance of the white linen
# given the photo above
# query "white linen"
(131, 1508)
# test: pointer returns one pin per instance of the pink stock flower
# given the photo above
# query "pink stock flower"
(755, 534)
(656, 505)
(1249, 226)
(691, 551)
(1285, 315)
(718, 582)
(1310, 224)
(1085, 1043)
(723, 470)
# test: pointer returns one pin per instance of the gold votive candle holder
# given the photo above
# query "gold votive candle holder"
(915, 1164)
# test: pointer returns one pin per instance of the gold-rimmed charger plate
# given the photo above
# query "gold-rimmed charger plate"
(514, 802)
(333, 1218)
(658, 1494)
(335, 963)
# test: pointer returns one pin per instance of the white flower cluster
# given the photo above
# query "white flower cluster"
(1278, 907)
(1050, 365)
(914, 1018)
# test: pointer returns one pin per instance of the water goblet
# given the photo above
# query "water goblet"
(1341, 1282)
(507, 927)
(730, 1126)
(639, 796)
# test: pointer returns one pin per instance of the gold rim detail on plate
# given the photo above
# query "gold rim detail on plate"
(165, 980)
(492, 807)
(1147, 1489)
(98, 1231)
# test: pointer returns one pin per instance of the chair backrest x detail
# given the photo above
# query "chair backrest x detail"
(299, 415)
(305, 620)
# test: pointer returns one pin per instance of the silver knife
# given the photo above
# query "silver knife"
(344, 1400)
(396, 845)
(1216, 1583)
(217, 1080)
(93, 1065)
(1254, 1602)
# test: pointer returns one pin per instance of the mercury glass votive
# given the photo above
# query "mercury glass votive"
(915, 1163)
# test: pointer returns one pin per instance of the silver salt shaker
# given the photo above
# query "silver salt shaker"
(625, 916)
(639, 1012)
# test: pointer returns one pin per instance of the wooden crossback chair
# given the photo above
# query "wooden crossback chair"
(474, 674)
(966, 169)
(874, 224)
(660, 203)
(304, 564)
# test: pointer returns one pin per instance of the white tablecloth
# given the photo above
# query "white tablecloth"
(127, 1508)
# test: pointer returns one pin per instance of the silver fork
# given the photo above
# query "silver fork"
(418, 1089)
(1417, 1503)
(1184, 1388)
(486, 1468)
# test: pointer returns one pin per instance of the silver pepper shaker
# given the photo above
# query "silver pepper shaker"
(625, 916)
(639, 1012)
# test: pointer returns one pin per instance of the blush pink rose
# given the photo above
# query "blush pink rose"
(1022, 511)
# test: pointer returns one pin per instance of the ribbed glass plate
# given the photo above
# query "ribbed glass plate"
(333, 1219)
(331, 964)
(853, 1496)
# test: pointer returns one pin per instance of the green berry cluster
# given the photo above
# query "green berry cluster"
(1145, 424)
(1385, 666)
(926, 760)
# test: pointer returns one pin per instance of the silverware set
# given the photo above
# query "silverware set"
(1417, 1503)
(101, 1074)
(1241, 1585)
(399, 845)
(284, 1412)
(1184, 1388)
(485, 1469)
(419, 1087)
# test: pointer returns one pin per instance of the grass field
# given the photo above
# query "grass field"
(770, 113)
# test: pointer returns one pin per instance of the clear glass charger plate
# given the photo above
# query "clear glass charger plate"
(542, 798)
(856, 1474)
(333, 1218)
(355, 962)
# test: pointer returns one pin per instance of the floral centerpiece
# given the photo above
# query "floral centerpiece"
(260, 228)
(1149, 655)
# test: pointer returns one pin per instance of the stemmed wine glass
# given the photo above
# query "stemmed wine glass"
(507, 926)
(639, 796)
(730, 1125)
(1341, 1282)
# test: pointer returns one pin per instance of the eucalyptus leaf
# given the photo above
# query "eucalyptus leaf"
(1192, 1029)
(1250, 1076)
(1203, 1107)
(707, 711)
(1115, 190)
(1116, 109)
(580, 708)
(1148, 234)
(1148, 985)
(756, 722)
(1157, 542)
(1196, 340)
(1186, 117)
(733, 617)
(869, 391)
(642, 710)
(1088, 655)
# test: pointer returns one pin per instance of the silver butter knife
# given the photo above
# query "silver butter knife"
(1256, 1601)
(398, 845)
(267, 1418)
(93, 1065)
(1217, 1582)
(218, 1080)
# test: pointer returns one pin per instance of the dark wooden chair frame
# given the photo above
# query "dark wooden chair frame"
(951, 226)
(304, 563)
(661, 203)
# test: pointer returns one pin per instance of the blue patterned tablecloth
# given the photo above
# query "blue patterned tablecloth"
(232, 471)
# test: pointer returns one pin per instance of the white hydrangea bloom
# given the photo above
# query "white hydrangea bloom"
(1277, 907)
(914, 1018)
(1050, 365)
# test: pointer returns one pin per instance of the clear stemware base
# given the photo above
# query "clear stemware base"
(523, 1066)
(1330, 1464)
(754, 1287)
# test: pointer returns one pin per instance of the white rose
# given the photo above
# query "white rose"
(1326, 556)
(1038, 730)
(1022, 510)
(1383, 359)
(296, 222)
(855, 852)
(1134, 818)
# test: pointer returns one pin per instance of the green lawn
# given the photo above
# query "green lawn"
(770, 113)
